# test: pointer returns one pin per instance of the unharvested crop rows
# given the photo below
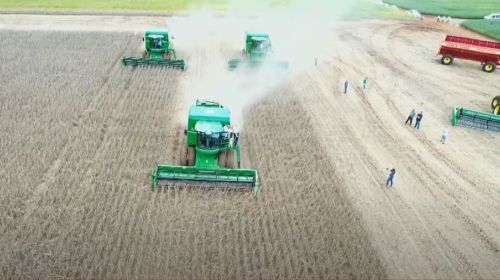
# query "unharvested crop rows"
(80, 134)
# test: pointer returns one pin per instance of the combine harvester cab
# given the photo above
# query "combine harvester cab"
(211, 158)
(257, 52)
(158, 51)
(486, 52)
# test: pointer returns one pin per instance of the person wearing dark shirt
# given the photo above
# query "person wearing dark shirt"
(390, 179)
(418, 120)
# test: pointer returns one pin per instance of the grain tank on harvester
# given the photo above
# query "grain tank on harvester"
(257, 52)
(158, 51)
(211, 158)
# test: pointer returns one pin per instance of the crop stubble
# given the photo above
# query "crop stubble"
(80, 134)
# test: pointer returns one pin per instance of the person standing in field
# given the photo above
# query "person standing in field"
(236, 133)
(365, 83)
(411, 115)
(444, 136)
(390, 179)
(231, 136)
(346, 86)
(418, 120)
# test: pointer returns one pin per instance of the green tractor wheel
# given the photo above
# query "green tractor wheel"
(489, 67)
(447, 59)
(496, 111)
(183, 157)
(495, 101)
(191, 156)
(231, 159)
(222, 159)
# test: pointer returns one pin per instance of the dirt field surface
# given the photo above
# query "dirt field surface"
(80, 134)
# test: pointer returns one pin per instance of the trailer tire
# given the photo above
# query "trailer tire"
(495, 101)
(191, 156)
(447, 59)
(183, 156)
(496, 110)
(222, 159)
(231, 159)
(489, 67)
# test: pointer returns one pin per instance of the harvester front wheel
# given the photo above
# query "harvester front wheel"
(231, 159)
(183, 156)
(191, 156)
(222, 159)
(496, 111)
(167, 56)
(495, 101)
(489, 67)
(447, 59)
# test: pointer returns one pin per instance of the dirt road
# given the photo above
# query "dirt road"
(441, 219)
(322, 156)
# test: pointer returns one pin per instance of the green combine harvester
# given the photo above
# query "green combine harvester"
(159, 51)
(257, 52)
(211, 158)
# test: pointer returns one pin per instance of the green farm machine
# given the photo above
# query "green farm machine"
(211, 157)
(158, 51)
(483, 120)
(257, 52)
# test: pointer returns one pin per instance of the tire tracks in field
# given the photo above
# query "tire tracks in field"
(341, 127)
(381, 132)
(55, 167)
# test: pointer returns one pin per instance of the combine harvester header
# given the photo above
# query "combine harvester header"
(486, 52)
(467, 117)
(211, 158)
(470, 118)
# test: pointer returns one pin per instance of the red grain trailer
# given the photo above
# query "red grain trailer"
(486, 52)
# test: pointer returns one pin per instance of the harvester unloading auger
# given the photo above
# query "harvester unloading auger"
(211, 158)
(257, 52)
(158, 51)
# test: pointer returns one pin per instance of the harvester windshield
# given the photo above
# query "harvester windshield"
(155, 42)
(261, 44)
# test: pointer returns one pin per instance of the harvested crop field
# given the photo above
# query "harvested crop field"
(80, 135)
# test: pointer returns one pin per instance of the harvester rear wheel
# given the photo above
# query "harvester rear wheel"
(231, 159)
(447, 59)
(496, 111)
(495, 101)
(183, 156)
(191, 156)
(489, 67)
(222, 159)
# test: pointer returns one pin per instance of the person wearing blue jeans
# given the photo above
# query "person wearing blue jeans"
(390, 180)
(417, 121)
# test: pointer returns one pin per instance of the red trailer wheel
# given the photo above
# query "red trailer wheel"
(489, 67)
(447, 59)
